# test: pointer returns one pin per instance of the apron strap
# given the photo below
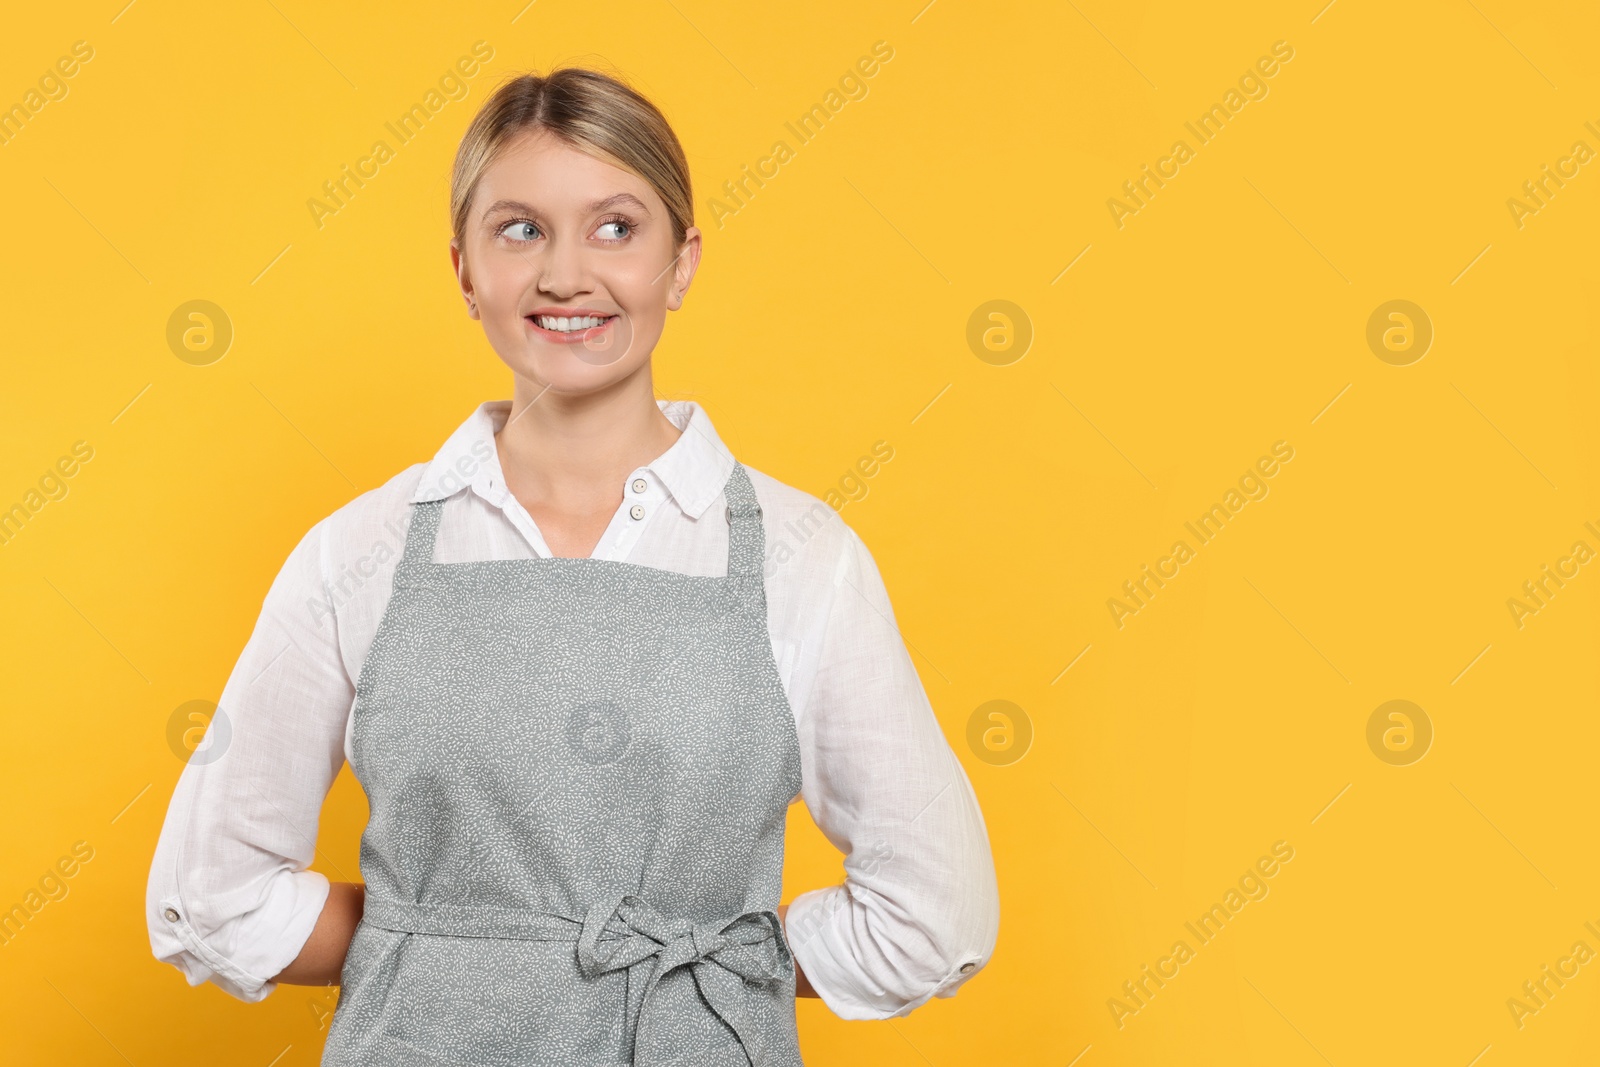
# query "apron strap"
(620, 930)
(417, 556)
(746, 539)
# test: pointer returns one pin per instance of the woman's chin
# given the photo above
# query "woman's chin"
(566, 374)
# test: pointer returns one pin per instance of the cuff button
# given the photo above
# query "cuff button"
(966, 968)
(171, 914)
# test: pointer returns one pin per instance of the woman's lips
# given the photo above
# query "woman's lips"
(570, 336)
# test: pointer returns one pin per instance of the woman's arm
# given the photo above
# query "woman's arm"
(231, 897)
(802, 986)
(321, 961)
(918, 914)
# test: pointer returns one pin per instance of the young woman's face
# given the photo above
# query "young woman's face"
(553, 234)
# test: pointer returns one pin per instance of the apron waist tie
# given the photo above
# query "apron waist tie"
(622, 930)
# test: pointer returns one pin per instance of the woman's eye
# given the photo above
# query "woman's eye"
(614, 236)
(520, 231)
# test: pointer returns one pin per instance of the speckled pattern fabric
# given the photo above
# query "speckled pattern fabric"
(600, 888)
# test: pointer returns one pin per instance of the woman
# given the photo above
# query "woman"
(581, 696)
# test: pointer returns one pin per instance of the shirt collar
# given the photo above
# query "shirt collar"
(694, 468)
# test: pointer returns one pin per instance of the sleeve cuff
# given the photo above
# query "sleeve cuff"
(280, 928)
(810, 926)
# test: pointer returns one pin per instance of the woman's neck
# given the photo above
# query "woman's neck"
(570, 453)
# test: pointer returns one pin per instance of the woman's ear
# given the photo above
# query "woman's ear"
(683, 268)
(463, 278)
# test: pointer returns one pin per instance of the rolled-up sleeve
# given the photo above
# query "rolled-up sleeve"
(918, 912)
(231, 898)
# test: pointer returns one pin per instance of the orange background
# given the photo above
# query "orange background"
(1144, 769)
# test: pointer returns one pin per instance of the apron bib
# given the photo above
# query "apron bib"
(579, 773)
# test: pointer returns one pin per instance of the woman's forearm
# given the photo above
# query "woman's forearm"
(321, 960)
(802, 985)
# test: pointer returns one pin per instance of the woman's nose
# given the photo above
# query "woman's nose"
(564, 270)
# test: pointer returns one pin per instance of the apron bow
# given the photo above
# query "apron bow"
(721, 955)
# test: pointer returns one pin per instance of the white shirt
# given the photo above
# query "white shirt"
(231, 898)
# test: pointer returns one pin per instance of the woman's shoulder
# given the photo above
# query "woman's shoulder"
(799, 524)
(372, 521)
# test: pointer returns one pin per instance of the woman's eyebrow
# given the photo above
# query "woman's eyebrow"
(613, 200)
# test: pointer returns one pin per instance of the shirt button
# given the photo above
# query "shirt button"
(640, 485)
(966, 968)
(637, 511)
(172, 915)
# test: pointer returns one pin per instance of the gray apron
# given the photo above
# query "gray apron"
(579, 772)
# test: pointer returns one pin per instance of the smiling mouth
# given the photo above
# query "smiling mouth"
(564, 324)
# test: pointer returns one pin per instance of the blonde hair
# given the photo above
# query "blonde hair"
(594, 113)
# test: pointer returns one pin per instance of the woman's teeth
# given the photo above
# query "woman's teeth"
(565, 325)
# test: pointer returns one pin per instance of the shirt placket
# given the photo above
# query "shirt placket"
(642, 496)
